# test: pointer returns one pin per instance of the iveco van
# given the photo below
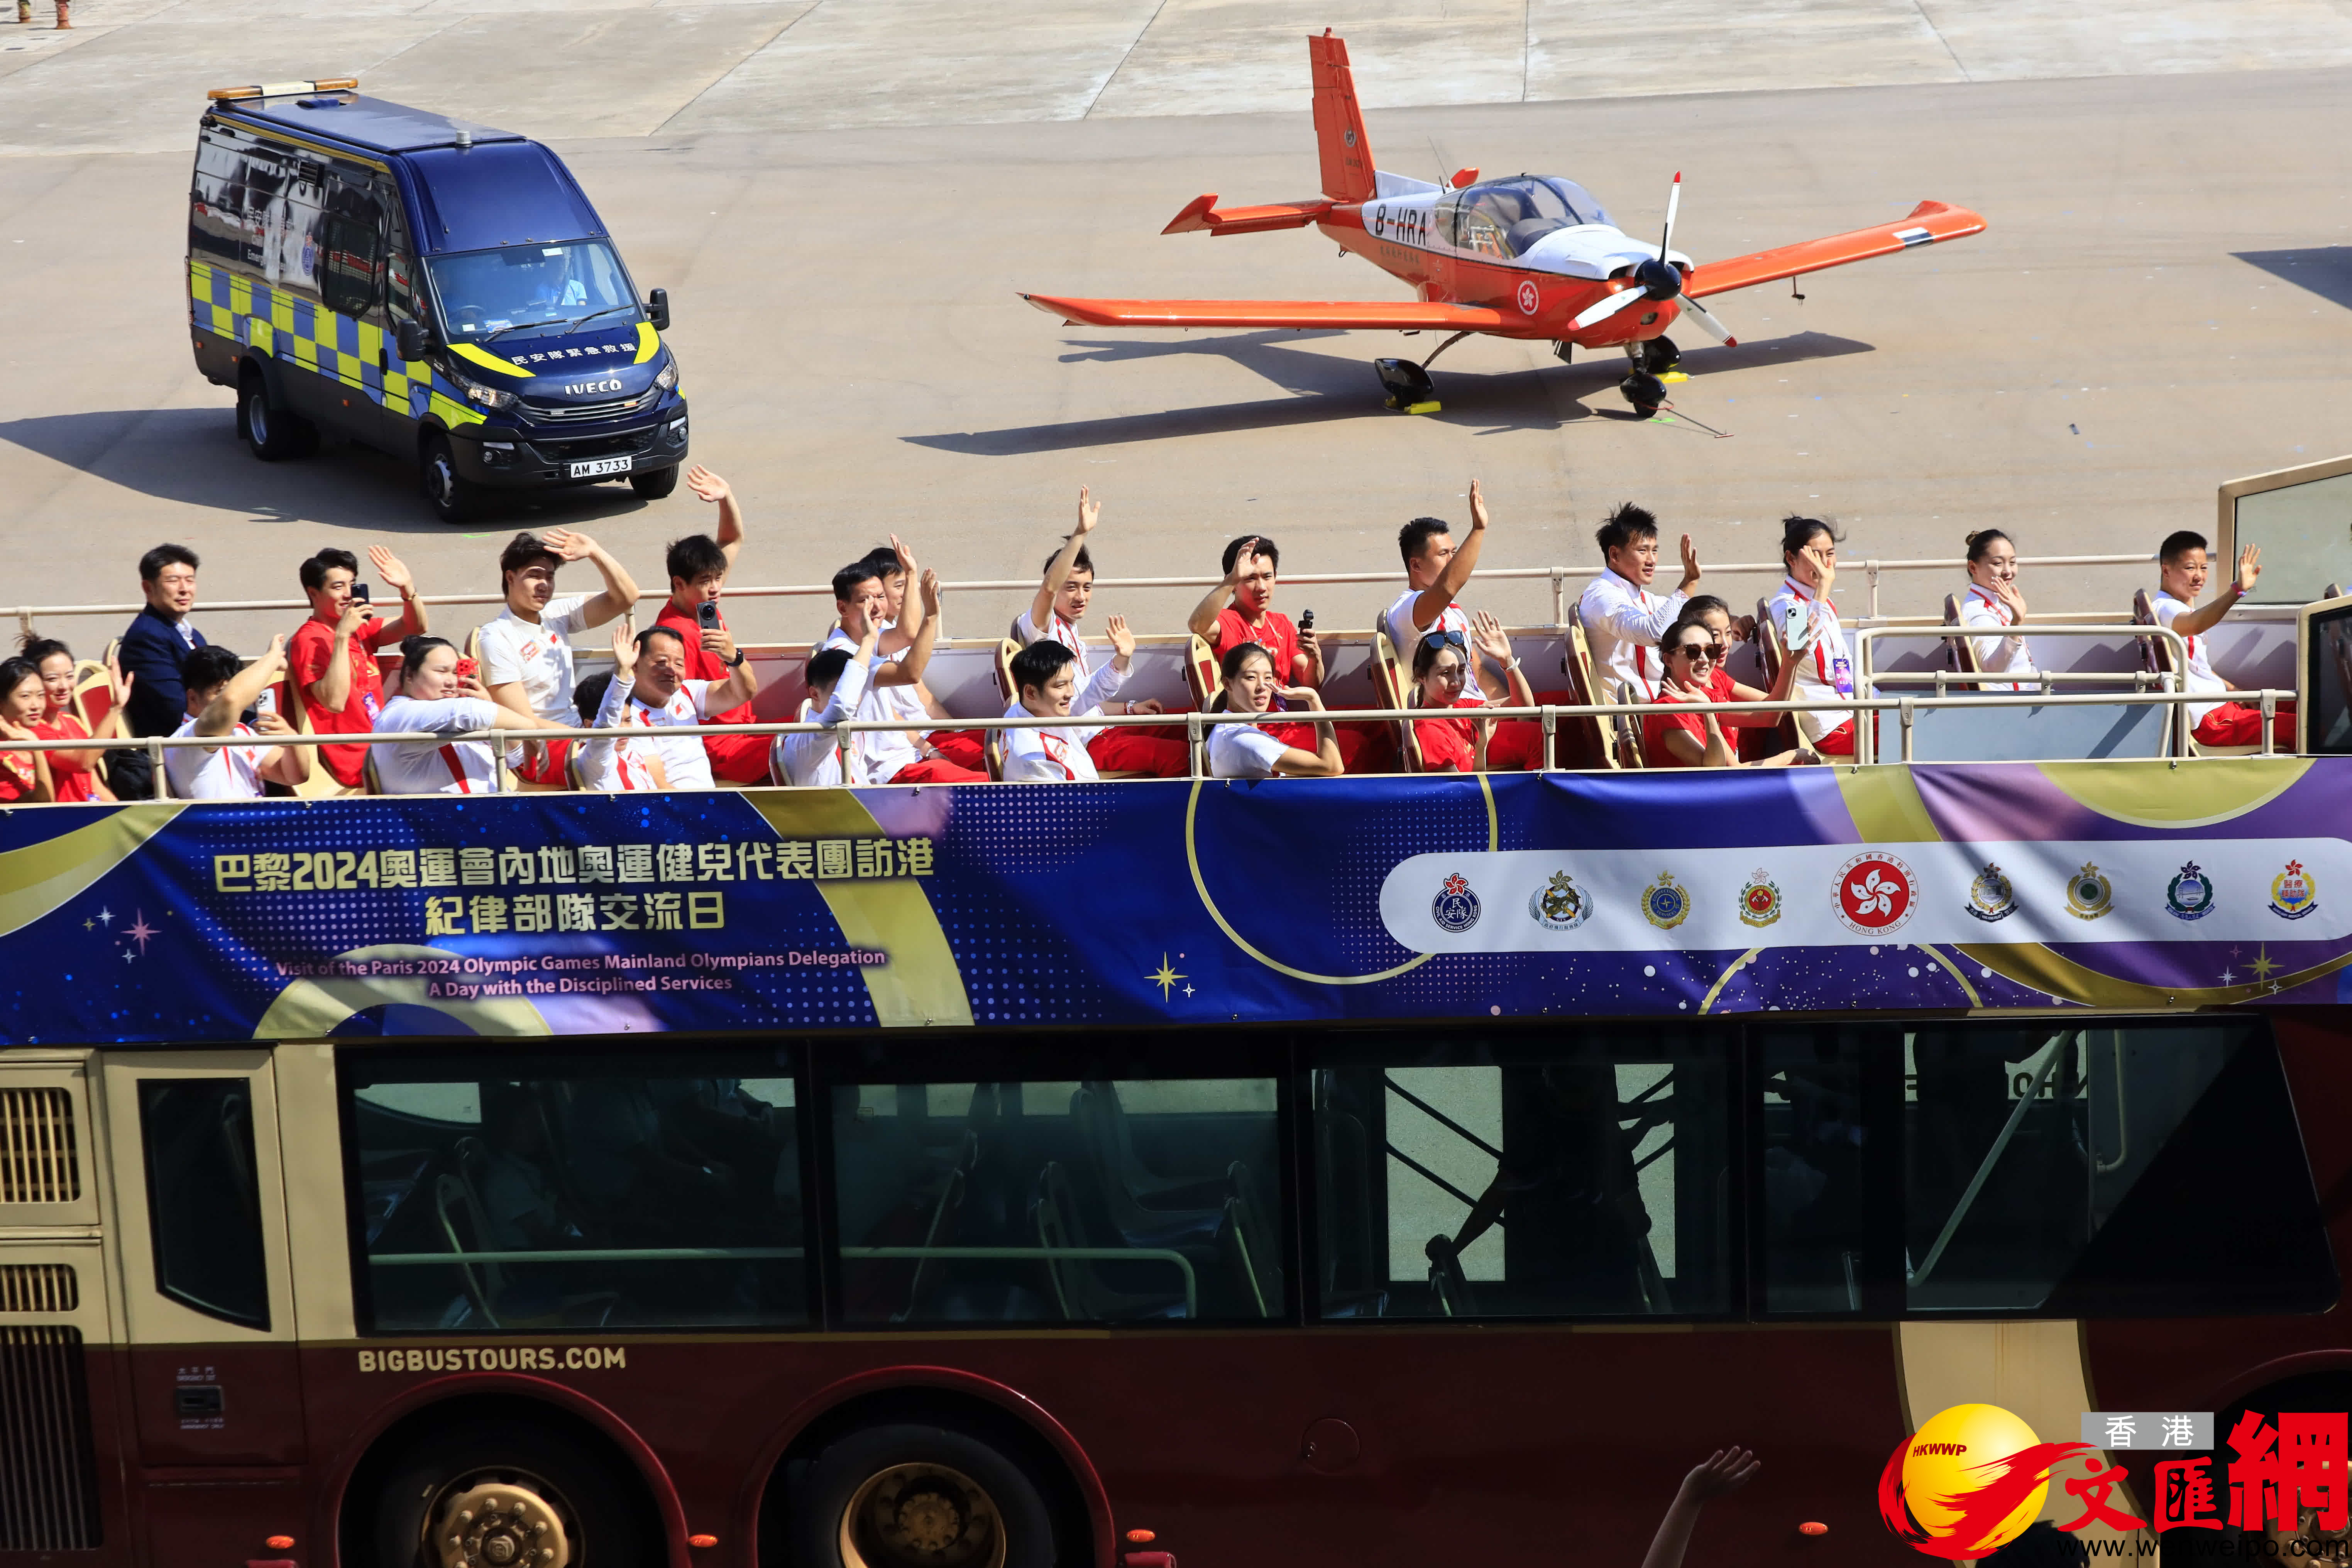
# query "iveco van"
(437, 289)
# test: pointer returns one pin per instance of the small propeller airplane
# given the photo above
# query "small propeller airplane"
(1531, 257)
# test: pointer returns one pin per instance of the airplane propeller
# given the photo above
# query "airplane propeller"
(1658, 278)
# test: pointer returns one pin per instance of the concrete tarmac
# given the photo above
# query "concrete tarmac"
(2160, 304)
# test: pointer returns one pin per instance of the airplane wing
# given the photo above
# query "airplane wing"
(1928, 222)
(1411, 315)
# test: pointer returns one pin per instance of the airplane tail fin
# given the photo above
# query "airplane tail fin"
(1338, 124)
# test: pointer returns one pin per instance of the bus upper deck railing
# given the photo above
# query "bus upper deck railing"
(1559, 577)
(1197, 724)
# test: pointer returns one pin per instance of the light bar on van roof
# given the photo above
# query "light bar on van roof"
(286, 89)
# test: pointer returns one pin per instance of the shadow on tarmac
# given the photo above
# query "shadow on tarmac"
(1325, 389)
(2324, 269)
(193, 456)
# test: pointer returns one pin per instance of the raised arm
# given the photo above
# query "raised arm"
(1323, 761)
(239, 691)
(1041, 608)
(1450, 583)
(620, 594)
(2205, 618)
(1203, 622)
(1690, 571)
(710, 487)
(1722, 1473)
(909, 668)
(1494, 648)
(395, 575)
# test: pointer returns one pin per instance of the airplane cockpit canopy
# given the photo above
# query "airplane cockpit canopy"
(1504, 217)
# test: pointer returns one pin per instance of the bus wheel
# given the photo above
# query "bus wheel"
(509, 1494)
(919, 1497)
(454, 499)
(655, 483)
(272, 432)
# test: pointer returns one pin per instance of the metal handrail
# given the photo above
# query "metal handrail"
(1548, 715)
(1866, 679)
(1558, 575)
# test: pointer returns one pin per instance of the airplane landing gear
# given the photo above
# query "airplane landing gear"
(1408, 388)
(1659, 356)
(1640, 387)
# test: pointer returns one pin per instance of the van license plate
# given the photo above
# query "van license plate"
(603, 466)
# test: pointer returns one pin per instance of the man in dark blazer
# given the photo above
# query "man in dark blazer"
(152, 647)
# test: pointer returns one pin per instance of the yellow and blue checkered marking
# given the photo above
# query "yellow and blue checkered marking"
(293, 329)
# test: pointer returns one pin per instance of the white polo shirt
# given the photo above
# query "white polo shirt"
(876, 756)
(1060, 752)
(1405, 637)
(1243, 751)
(617, 766)
(1622, 622)
(217, 772)
(816, 760)
(1824, 671)
(2199, 674)
(424, 767)
(537, 654)
(683, 757)
(1999, 654)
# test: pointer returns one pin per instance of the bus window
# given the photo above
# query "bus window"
(1817, 1171)
(2069, 1170)
(514, 1190)
(203, 1196)
(1128, 1200)
(1497, 1178)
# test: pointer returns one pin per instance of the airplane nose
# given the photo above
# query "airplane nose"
(1659, 280)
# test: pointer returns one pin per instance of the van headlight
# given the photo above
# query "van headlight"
(668, 377)
(486, 396)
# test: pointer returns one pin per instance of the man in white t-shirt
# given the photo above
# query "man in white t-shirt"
(2183, 567)
(836, 681)
(527, 650)
(662, 697)
(1436, 570)
(216, 692)
(1623, 619)
(1046, 674)
(894, 672)
(1054, 614)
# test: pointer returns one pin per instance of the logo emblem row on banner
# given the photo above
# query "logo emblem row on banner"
(1875, 894)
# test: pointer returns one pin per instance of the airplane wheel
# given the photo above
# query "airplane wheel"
(1659, 355)
(1405, 383)
(1644, 392)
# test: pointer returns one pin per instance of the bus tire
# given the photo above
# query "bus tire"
(597, 1501)
(273, 434)
(655, 483)
(453, 498)
(918, 1496)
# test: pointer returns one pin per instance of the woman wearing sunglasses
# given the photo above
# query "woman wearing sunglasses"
(1696, 740)
(1443, 673)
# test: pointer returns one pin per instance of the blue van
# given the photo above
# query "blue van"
(438, 290)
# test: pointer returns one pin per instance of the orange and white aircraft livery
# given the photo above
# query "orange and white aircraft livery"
(1528, 256)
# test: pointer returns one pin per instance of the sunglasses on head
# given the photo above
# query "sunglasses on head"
(1447, 639)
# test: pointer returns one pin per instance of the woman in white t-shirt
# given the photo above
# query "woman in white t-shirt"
(432, 696)
(1811, 635)
(1993, 604)
(1246, 750)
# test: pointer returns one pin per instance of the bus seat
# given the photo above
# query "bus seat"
(1962, 651)
(320, 785)
(93, 701)
(2156, 657)
(453, 1193)
(1078, 1290)
(2333, 591)
(1145, 1208)
(943, 1225)
(1388, 690)
(1251, 1247)
(1596, 737)
(993, 749)
(1200, 673)
(1005, 649)
(372, 781)
(1627, 728)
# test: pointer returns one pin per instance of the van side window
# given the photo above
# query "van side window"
(402, 301)
(351, 249)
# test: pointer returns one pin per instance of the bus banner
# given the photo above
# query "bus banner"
(2106, 884)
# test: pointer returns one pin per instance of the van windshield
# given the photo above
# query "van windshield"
(517, 288)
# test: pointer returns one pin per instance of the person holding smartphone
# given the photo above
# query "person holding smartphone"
(331, 655)
(697, 566)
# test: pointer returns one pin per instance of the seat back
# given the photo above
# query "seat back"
(319, 784)
(943, 1225)
(1005, 649)
(373, 779)
(1627, 729)
(1388, 690)
(1596, 735)
(2155, 656)
(1769, 648)
(454, 1194)
(992, 748)
(1200, 673)
(1962, 650)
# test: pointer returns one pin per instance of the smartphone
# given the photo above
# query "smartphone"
(267, 701)
(707, 612)
(468, 668)
(360, 592)
(1305, 620)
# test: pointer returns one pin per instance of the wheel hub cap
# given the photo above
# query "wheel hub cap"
(927, 1515)
(496, 1525)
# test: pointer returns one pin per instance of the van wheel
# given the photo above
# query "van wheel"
(507, 1493)
(919, 1497)
(274, 434)
(453, 499)
(656, 484)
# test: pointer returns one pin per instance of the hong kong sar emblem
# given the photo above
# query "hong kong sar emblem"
(1562, 905)
(1759, 900)
(2190, 895)
(2294, 892)
(1666, 902)
(1456, 908)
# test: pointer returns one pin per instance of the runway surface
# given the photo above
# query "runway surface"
(2160, 304)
